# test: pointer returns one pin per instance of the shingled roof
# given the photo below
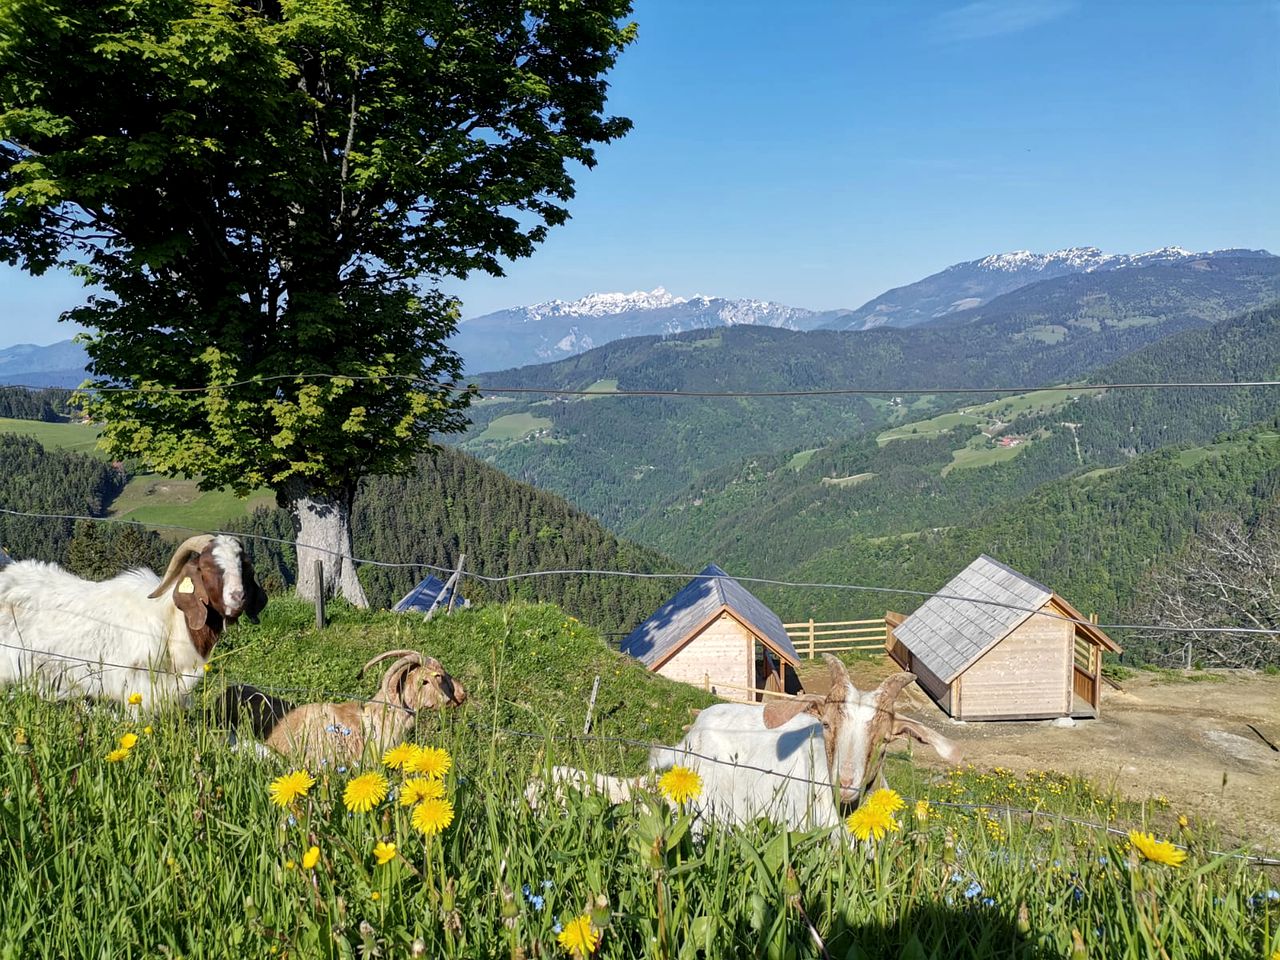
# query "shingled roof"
(695, 605)
(421, 597)
(949, 632)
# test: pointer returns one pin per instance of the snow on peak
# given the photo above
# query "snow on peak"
(1077, 259)
(604, 304)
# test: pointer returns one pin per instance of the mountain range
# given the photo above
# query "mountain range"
(557, 329)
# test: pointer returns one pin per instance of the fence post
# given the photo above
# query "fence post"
(706, 682)
(811, 636)
(319, 594)
(591, 705)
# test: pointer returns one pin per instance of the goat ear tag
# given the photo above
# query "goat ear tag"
(186, 586)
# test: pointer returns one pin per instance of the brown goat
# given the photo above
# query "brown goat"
(341, 732)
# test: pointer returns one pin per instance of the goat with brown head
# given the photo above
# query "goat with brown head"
(342, 731)
(857, 727)
(213, 583)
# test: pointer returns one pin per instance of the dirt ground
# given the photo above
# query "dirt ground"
(1192, 741)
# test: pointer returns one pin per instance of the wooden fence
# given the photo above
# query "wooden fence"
(812, 638)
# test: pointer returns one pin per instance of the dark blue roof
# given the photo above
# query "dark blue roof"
(422, 596)
(673, 622)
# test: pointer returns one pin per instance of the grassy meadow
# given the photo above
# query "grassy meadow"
(177, 849)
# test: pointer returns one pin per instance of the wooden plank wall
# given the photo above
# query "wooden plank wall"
(1027, 674)
(722, 651)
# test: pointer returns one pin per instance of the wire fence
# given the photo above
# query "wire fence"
(684, 577)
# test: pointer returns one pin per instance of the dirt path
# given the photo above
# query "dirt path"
(1193, 742)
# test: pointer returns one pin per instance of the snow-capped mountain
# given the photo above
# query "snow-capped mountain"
(562, 328)
(964, 286)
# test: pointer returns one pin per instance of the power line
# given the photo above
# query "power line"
(594, 572)
(481, 389)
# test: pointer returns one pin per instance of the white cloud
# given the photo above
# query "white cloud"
(995, 18)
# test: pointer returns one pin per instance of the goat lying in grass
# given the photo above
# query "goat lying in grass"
(794, 761)
(341, 732)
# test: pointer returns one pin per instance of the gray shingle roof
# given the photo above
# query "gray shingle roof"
(696, 602)
(948, 635)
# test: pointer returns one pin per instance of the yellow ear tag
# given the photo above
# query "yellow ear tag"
(186, 586)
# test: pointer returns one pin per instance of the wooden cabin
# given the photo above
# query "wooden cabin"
(1012, 657)
(715, 634)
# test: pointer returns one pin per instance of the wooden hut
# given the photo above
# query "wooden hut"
(431, 592)
(1012, 657)
(715, 634)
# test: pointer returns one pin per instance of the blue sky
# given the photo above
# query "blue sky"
(818, 153)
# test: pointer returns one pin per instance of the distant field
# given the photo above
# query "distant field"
(982, 454)
(160, 501)
(514, 426)
(603, 386)
(58, 436)
(852, 481)
(800, 460)
(988, 414)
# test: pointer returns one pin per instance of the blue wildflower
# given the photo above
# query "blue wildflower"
(1273, 894)
(538, 901)
(526, 890)
(957, 877)
(988, 902)
(547, 885)
(974, 889)
(1103, 861)
(555, 927)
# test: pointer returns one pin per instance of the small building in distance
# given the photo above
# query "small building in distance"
(427, 594)
(996, 645)
(715, 634)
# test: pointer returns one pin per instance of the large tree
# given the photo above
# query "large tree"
(267, 190)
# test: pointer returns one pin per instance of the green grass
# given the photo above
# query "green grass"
(603, 386)
(981, 452)
(852, 481)
(921, 429)
(988, 414)
(800, 460)
(178, 850)
(514, 426)
(159, 501)
(59, 436)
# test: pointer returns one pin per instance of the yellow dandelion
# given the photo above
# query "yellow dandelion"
(432, 816)
(311, 858)
(135, 699)
(680, 785)
(207, 668)
(871, 820)
(1183, 822)
(890, 801)
(115, 756)
(290, 865)
(128, 741)
(578, 937)
(922, 810)
(398, 756)
(365, 792)
(148, 731)
(417, 789)
(1157, 851)
(375, 895)
(1275, 955)
(430, 762)
(290, 787)
(384, 852)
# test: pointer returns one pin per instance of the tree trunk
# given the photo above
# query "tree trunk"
(322, 530)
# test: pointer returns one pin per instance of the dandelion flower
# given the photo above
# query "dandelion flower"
(887, 800)
(289, 865)
(430, 762)
(365, 792)
(922, 810)
(135, 699)
(375, 895)
(417, 789)
(115, 756)
(432, 816)
(384, 852)
(578, 937)
(871, 820)
(148, 731)
(288, 788)
(129, 741)
(311, 858)
(1157, 851)
(1183, 822)
(680, 785)
(398, 756)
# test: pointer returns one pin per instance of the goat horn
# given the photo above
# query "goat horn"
(178, 560)
(890, 687)
(390, 653)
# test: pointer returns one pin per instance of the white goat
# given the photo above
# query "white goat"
(135, 633)
(792, 761)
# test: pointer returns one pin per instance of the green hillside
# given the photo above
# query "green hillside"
(619, 458)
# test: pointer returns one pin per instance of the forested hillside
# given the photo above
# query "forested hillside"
(1093, 538)
(453, 504)
(770, 514)
(48, 405)
(618, 458)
